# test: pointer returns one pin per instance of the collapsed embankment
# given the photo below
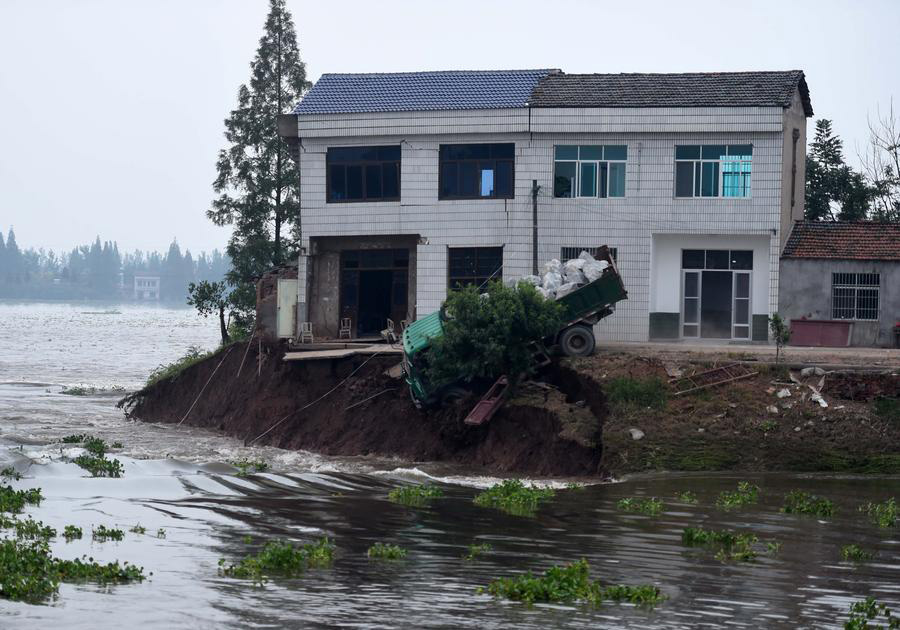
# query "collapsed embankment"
(538, 433)
(612, 413)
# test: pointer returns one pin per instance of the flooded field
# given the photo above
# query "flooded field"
(178, 480)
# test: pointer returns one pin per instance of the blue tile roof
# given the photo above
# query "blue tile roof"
(419, 91)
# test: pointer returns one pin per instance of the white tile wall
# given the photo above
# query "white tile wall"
(628, 224)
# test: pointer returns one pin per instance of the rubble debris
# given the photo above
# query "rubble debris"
(783, 393)
(772, 409)
(636, 434)
(810, 371)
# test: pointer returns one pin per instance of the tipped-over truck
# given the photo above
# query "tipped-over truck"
(582, 308)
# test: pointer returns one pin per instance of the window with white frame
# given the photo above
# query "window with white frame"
(713, 170)
(589, 170)
(568, 253)
(855, 295)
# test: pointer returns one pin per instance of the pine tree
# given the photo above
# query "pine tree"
(834, 191)
(257, 181)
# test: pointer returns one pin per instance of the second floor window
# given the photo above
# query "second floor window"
(363, 173)
(713, 170)
(589, 170)
(477, 171)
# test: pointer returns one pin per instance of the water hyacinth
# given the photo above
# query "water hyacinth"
(514, 497)
(799, 502)
(746, 494)
(381, 551)
(282, 559)
(417, 496)
(650, 507)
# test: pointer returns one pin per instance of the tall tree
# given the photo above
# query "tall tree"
(834, 191)
(257, 181)
(881, 163)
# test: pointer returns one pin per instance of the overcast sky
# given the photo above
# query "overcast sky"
(111, 110)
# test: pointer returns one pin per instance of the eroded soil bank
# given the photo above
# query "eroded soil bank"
(581, 419)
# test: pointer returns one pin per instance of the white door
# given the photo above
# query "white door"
(287, 307)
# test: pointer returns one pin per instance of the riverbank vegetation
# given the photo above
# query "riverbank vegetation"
(280, 559)
(569, 584)
(192, 356)
(514, 497)
(415, 496)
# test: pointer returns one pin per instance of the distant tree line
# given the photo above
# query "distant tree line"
(835, 191)
(100, 271)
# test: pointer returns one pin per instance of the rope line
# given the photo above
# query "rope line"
(230, 348)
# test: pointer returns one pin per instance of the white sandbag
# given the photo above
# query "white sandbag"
(552, 280)
(565, 289)
(574, 263)
(532, 280)
(586, 256)
(593, 270)
(553, 266)
(545, 293)
(574, 276)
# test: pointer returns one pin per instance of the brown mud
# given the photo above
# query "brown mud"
(570, 424)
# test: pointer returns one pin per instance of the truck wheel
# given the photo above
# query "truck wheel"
(577, 341)
(453, 395)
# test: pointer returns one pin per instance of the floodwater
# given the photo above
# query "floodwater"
(178, 479)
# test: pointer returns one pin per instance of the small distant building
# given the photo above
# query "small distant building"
(146, 287)
(840, 283)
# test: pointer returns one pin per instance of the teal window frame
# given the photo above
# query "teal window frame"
(716, 171)
(600, 171)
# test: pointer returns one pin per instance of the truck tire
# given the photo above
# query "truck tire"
(577, 341)
(454, 394)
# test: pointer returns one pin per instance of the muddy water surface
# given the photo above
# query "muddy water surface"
(178, 480)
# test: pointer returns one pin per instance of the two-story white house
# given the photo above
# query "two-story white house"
(415, 183)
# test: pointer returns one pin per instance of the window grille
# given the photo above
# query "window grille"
(568, 253)
(855, 295)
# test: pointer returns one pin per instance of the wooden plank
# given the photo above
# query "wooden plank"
(316, 355)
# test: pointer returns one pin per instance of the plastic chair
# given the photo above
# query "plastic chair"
(306, 332)
(344, 332)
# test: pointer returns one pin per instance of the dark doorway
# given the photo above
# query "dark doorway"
(715, 305)
(374, 301)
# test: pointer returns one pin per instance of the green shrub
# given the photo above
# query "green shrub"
(647, 392)
(650, 507)
(729, 545)
(282, 559)
(72, 532)
(855, 553)
(380, 551)
(570, 583)
(799, 502)
(10, 473)
(246, 465)
(29, 573)
(862, 612)
(95, 446)
(192, 356)
(14, 501)
(415, 495)
(883, 514)
(31, 529)
(486, 337)
(514, 497)
(104, 533)
(476, 550)
(100, 466)
(745, 494)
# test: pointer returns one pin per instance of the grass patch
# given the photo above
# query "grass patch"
(730, 546)
(686, 497)
(648, 392)
(14, 501)
(650, 507)
(855, 553)
(71, 532)
(799, 502)
(884, 514)
(282, 559)
(380, 551)
(29, 573)
(570, 583)
(10, 473)
(514, 497)
(417, 496)
(746, 494)
(246, 466)
(862, 612)
(767, 426)
(100, 466)
(192, 356)
(477, 550)
(104, 533)
(887, 408)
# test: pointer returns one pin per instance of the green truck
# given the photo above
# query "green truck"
(584, 307)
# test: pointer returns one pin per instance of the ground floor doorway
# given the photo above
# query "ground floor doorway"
(374, 286)
(716, 287)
